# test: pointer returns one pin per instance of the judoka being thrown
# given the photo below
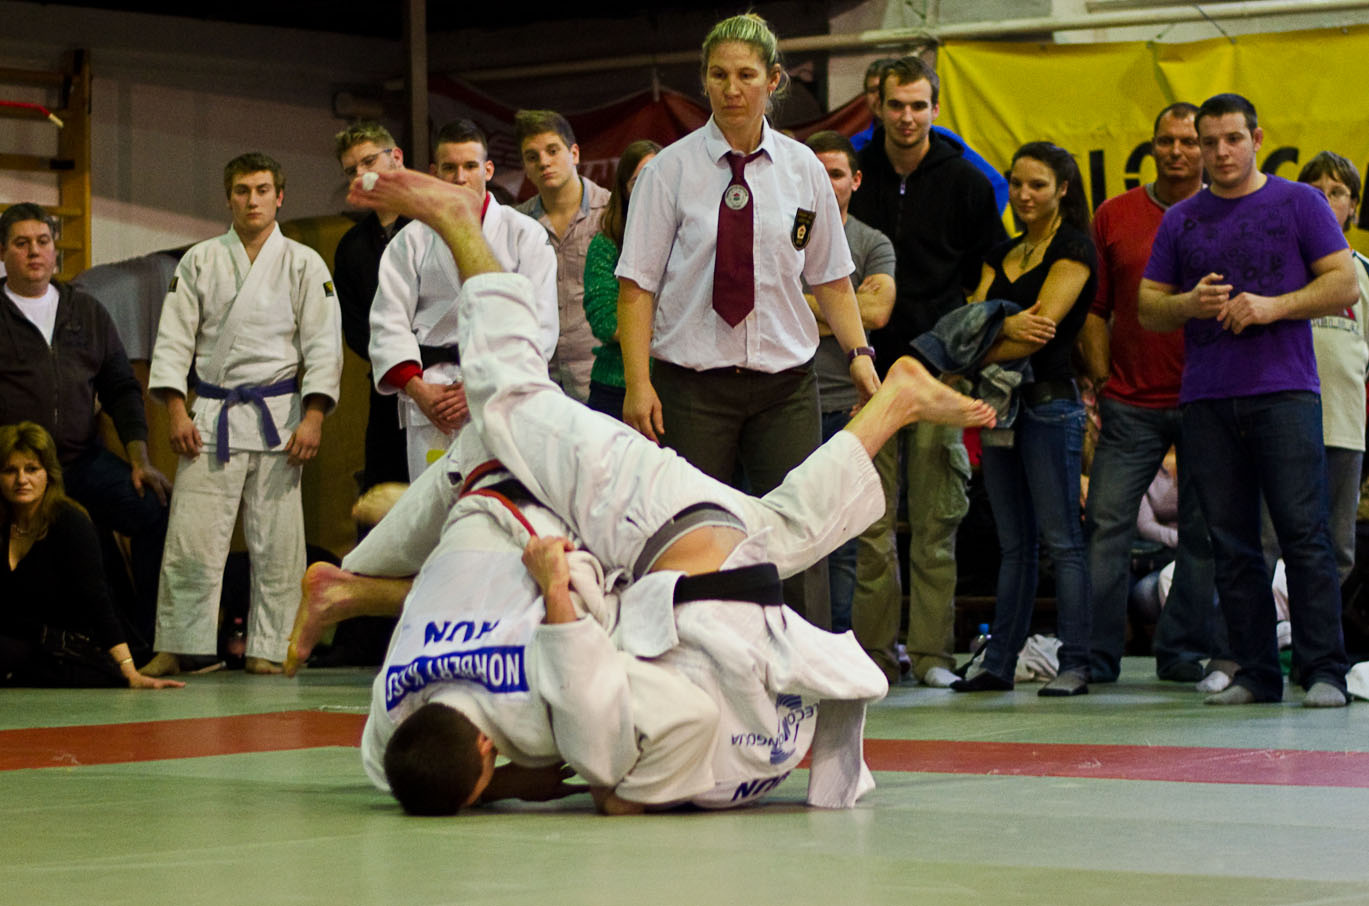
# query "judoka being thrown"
(759, 673)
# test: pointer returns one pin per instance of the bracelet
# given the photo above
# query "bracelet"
(127, 660)
(860, 350)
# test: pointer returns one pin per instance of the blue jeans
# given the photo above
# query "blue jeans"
(841, 563)
(1033, 487)
(1131, 445)
(1270, 444)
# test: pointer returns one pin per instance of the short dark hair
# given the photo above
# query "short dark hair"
(432, 761)
(1074, 208)
(459, 132)
(831, 140)
(1222, 104)
(18, 213)
(907, 70)
(527, 123)
(357, 133)
(1180, 110)
(253, 162)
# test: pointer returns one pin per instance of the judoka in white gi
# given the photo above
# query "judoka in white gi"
(414, 350)
(253, 313)
(764, 668)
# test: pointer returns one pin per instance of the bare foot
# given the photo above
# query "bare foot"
(261, 665)
(929, 400)
(323, 584)
(332, 594)
(376, 502)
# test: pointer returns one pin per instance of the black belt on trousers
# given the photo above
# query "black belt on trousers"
(1045, 391)
(437, 355)
(758, 584)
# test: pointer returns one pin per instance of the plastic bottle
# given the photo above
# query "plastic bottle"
(980, 640)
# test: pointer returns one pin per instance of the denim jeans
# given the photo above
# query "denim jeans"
(841, 563)
(1270, 444)
(1033, 487)
(1131, 445)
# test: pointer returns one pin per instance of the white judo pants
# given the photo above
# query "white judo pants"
(204, 509)
(615, 487)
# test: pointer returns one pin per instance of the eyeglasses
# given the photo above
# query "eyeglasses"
(366, 163)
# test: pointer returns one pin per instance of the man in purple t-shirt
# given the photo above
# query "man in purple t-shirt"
(1242, 266)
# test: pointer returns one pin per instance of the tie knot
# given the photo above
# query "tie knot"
(738, 161)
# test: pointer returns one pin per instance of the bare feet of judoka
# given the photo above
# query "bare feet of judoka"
(165, 663)
(261, 665)
(910, 394)
(324, 586)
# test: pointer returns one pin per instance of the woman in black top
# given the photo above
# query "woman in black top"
(57, 624)
(1033, 485)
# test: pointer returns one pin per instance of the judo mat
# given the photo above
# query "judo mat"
(246, 789)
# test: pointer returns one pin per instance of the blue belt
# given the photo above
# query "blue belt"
(245, 394)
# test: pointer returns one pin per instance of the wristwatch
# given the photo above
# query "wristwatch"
(861, 350)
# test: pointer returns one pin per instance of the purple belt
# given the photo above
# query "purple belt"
(245, 394)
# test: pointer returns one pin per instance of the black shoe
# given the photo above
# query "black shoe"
(1181, 672)
(1068, 682)
(984, 682)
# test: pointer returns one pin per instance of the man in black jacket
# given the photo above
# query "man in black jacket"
(364, 148)
(60, 354)
(939, 212)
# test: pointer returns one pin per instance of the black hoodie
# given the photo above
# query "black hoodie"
(942, 218)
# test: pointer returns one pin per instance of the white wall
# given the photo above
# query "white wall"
(172, 101)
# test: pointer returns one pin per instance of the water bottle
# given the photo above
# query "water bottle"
(977, 645)
(236, 647)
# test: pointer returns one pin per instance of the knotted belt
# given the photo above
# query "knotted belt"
(247, 393)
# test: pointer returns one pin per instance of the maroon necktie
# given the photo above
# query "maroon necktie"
(734, 272)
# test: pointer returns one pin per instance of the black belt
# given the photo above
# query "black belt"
(437, 355)
(759, 584)
(1046, 391)
(736, 370)
(511, 488)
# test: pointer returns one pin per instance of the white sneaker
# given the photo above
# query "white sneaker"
(1215, 681)
(939, 677)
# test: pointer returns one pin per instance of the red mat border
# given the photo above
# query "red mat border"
(47, 747)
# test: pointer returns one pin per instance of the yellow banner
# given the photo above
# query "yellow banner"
(1099, 100)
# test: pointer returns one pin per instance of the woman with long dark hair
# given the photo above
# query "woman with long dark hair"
(1033, 482)
(606, 385)
(57, 623)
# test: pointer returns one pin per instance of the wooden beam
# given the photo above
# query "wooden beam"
(416, 83)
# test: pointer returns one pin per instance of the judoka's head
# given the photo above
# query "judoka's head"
(255, 185)
(29, 249)
(438, 762)
(461, 156)
(367, 147)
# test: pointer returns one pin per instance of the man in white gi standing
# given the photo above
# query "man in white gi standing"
(252, 313)
(413, 315)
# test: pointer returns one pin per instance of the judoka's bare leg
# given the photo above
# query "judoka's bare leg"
(331, 595)
(452, 210)
(910, 394)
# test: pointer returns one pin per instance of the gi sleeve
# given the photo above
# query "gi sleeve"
(395, 305)
(537, 262)
(182, 313)
(319, 330)
(584, 683)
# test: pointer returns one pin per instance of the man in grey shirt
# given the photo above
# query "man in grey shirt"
(873, 278)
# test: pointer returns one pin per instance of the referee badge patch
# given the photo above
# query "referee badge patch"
(803, 228)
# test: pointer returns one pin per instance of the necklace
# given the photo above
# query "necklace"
(21, 532)
(1029, 249)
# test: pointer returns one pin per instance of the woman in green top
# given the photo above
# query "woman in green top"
(606, 384)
